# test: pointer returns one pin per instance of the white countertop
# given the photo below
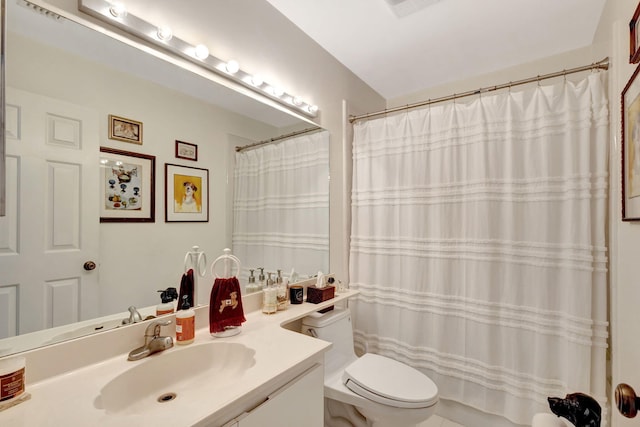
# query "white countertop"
(67, 398)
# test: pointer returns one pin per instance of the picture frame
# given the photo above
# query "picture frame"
(186, 150)
(634, 37)
(127, 186)
(123, 129)
(630, 146)
(186, 194)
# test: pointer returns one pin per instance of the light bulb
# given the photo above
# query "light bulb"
(232, 67)
(277, 91)
(164, 33)
(257, 80)
(118, 10)
(313, 109)
(297, 101)
(201, 52)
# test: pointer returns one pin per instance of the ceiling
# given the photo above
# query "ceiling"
(441, 41)
(401, 50)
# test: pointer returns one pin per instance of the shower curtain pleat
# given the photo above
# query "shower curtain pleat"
(281, 206)
(478, 245)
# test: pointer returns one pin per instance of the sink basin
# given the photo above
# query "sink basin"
(173, 375)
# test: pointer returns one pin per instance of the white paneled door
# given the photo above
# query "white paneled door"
(49, 237)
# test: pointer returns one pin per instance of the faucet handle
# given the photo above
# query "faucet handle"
(153, 330)
(134, 316)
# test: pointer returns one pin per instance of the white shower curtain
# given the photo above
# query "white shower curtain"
(281, 206)
(478, 245)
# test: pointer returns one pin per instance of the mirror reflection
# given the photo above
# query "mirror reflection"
(63, 82)
(281, 206)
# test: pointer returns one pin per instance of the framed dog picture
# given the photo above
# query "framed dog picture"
(127, 186)
(186, 194)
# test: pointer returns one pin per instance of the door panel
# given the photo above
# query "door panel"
(51, 227)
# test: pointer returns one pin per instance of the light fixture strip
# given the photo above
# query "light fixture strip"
(138, 27)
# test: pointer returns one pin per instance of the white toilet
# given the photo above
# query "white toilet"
(385, 392)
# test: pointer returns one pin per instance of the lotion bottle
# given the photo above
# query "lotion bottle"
(261, 283)
(185, 323)
(282, 292)
(269, 297)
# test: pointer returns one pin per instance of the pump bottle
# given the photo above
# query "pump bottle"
(185, 323)
(252, 286)
(166, 306)
(282, 291)
(269, 297)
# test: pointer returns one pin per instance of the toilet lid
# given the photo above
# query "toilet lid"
(389, 382)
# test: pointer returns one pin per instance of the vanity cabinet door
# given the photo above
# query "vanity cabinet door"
(299, 403)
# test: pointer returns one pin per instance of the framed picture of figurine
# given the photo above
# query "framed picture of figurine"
(186, 194)
(126, 130)
(127, 186)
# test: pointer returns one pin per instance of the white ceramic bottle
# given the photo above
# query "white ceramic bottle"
(185, 323)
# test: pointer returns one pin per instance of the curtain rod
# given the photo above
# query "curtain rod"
(277, 138)
(600, 65)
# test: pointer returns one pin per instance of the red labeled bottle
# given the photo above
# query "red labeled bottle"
(185, 323)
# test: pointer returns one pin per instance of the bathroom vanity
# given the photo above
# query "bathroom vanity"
(266, 375)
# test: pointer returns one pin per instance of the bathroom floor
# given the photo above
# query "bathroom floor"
(436, 421)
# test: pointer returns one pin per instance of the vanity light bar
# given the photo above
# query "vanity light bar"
(114, 13)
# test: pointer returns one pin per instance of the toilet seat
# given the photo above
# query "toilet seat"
(389, 382)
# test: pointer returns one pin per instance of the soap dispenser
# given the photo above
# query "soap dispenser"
(281, 291)
(269, 297)
(167, 296)
(185, 323)
(261, 283)
(252, 286)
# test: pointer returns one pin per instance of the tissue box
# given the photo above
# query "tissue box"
(317, 295)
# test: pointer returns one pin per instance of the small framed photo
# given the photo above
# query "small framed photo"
(127, 186)
(126, 130)
(186, 194)
(634, 42)
(187, 151)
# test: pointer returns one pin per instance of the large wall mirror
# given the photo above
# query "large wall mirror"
(63, 82)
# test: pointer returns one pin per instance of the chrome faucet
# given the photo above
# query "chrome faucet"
(153, 342)
(134, 316)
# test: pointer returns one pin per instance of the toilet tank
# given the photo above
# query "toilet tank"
(335, 327)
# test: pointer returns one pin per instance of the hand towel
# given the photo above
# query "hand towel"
(186, 288)
(225, 305)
